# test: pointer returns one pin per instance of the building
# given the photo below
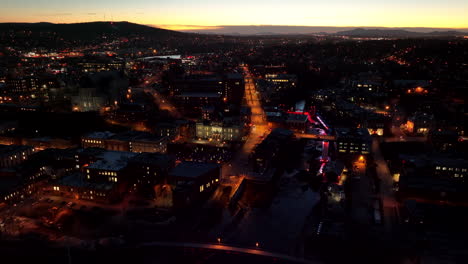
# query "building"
(12, 155)
(297, 122)
(193, 181)
(88, 99)
(356, 141)
(201, 152)
(132, 141)
(148, 170)
(420, 123)
(169, 130)
(192, 103)
(95, 65)
(434, 177)
(234, 88)
(76, 186)
(110, 166)
(96, 139)
(376, 124)
(443, 140)
(266, 155)
(219, 131)
(282, 81)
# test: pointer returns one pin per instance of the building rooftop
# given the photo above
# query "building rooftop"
(297, 118)
(7, 150)
(161, 160)
(112, 160)
(353, 133)
(192, 169)
(100, 135)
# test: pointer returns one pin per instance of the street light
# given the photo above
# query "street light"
(361, 158)
(219, 240)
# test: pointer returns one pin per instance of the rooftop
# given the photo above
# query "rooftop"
(112, 160)
(7, 150)
(100, 135)
(192, 169)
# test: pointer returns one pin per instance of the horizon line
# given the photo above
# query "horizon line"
(232, 25)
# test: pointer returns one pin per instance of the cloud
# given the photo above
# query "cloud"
(91, 14)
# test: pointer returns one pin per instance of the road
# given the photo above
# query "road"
(162, 102)
(227, 248)
(259, 130)
(390, 205)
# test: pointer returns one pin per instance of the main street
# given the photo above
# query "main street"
(258, 131)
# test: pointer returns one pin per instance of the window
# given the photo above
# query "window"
(201, 188)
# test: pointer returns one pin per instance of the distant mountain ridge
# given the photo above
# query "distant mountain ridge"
(88, 30)
(325, 30)
(361, 32)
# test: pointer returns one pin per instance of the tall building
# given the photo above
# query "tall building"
(353, 141)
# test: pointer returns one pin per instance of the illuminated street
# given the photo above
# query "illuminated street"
(227, 248)
(258, 130)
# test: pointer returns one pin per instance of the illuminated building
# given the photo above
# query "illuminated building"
(354, 141)
(96, 139)
(169, 130)
(110, 167)
(87, 100)
(434, 177)
(23, 86)
(193, 181)
(74, 186)
(201, 152)
(282, 81)
(149, 169)
(12, 155)
(420, 123)
(132, 141)
(219, 131)
(104, 65)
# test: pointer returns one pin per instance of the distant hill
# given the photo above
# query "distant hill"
(255, 30)
(361, 32)
(91, 30)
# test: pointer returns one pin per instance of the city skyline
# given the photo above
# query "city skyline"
(209, 14)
